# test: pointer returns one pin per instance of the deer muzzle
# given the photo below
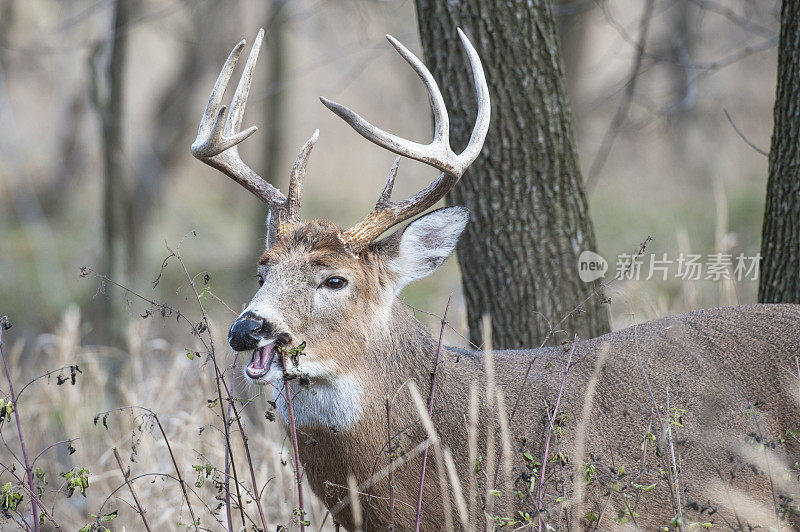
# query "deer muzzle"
(246, 333)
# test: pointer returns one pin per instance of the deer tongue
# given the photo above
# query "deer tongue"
(261, 361)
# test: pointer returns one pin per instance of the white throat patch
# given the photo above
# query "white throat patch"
(334, 404)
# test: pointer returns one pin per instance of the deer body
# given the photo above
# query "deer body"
(726, 370)
(693, 416)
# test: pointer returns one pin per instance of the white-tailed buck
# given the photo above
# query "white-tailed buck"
(673, 423)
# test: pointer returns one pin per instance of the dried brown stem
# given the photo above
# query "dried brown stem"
(86, 271)
(28, 469)
(552, 420)
(142, 511)
(33, 496)
(741, 135)
(228, 454)
(430, 413)
(220, 381)
(391, 459)
(295, 448)
(171, 456)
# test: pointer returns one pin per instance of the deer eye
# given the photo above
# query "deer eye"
(260, 280)
(335, 283)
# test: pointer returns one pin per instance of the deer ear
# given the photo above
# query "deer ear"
(425, 243)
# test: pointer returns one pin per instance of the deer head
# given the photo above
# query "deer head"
(328, 289)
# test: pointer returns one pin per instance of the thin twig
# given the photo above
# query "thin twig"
(177, 471)
(50, 447)
(228, 454)
(552, 420)
(4, 323)
(220, 381)
(171, 455)
(418, 516)
(295, 449)
(746, 23)
(33, 496)
(249, 458)
(643, 462)
(672, 453)
(741, 135)
(399, 462)
(160, 475)
(142, 511)
(602, 511)
(42, 376)
(595, 292)
(622, 111)
(346, 501)
(391, 459)
(657, 412)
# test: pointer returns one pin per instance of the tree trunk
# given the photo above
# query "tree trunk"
(530, 222)
(274, 168)
(572, 25)
(780, 241)
(7, 18)
(164, 147)
(109, 105)
(275, 109)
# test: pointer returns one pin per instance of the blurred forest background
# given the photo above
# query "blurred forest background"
(649, 84)
(676, 170)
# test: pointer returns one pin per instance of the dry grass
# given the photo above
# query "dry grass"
(181, 392)
(178, 390)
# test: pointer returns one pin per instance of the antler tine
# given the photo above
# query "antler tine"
(437, 153)
(218, 135)
(243, 88)
(296, 178)
(441, 121)
(481, 127)
(211, 139)
(385, 199)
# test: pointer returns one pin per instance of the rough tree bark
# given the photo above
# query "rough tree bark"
(780, 240)
(530, 221)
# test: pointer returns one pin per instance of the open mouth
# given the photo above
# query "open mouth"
(261, 361)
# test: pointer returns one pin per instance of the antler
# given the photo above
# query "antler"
(218, 138)
(437, 154)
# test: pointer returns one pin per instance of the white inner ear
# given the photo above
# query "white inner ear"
(426, 242)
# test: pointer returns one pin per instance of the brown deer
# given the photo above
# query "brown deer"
(673, 423)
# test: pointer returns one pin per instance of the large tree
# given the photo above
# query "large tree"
(108, 97)
(530, 221)
(780, 242)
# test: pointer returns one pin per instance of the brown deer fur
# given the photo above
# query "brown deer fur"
(732, 384)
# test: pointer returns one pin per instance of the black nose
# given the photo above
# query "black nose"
(246, 332)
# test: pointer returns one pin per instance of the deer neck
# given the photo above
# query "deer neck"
(399, 348)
